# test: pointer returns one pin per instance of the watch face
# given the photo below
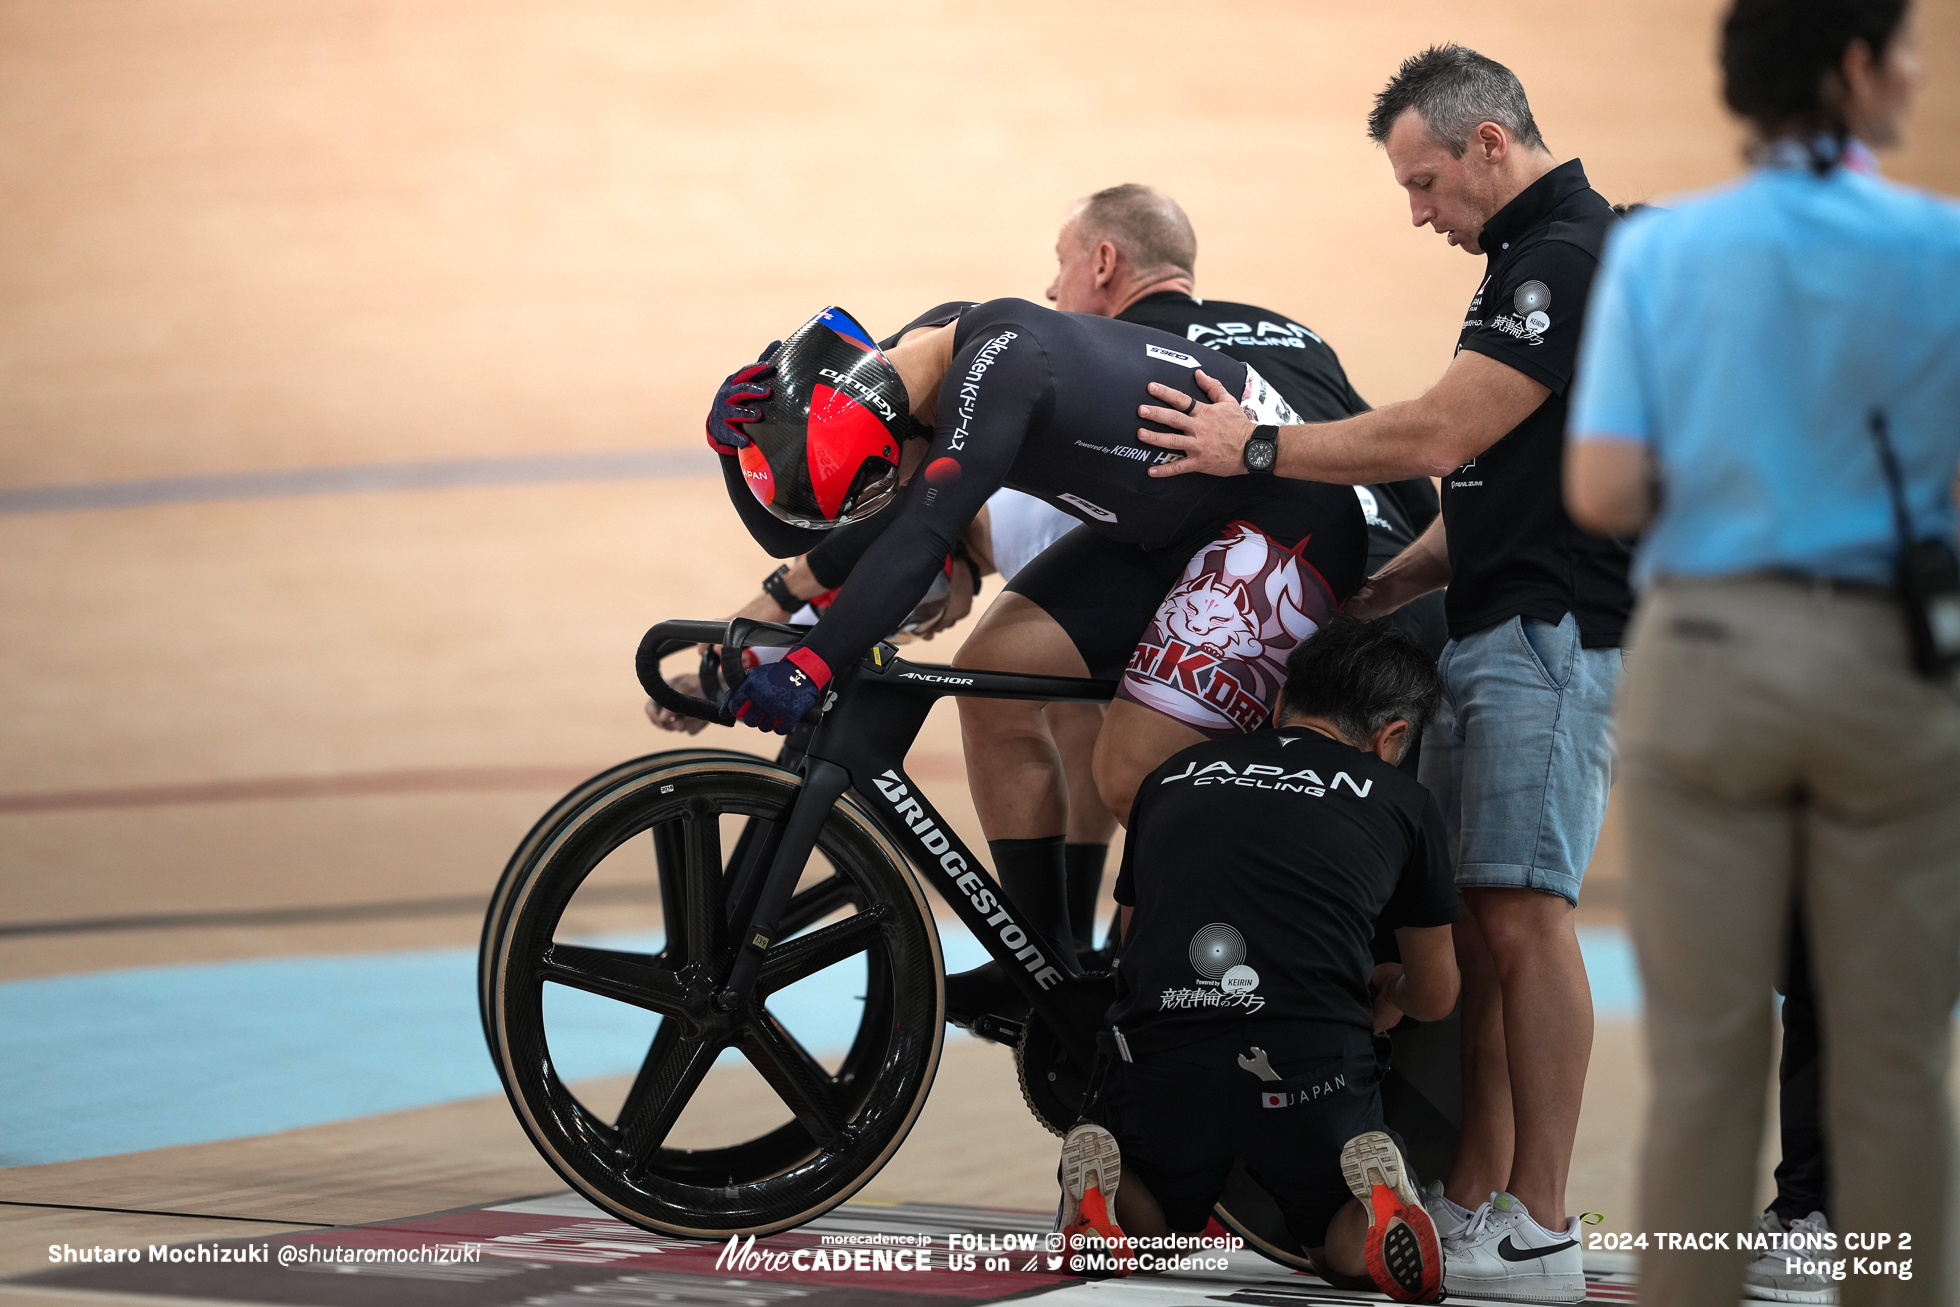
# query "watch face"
(1259, 455)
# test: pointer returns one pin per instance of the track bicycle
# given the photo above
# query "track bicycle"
(768, 874)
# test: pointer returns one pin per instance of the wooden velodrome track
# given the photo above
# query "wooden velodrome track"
(244, 241)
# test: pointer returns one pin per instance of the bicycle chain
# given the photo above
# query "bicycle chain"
(1028, 1090)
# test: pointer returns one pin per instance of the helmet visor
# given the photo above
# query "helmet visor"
(826, 451)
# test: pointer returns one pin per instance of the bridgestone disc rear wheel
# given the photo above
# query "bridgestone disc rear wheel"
(782, 1130)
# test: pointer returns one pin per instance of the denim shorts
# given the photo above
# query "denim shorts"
(1520, 756)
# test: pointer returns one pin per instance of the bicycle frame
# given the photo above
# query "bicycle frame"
(870, 715)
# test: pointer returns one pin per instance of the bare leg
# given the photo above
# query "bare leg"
(1134, 741)
(1548, 1033)
(1074, 727)
(1346, 1249)
(1019, 787)
(1137, 1210)
(1483, 1153)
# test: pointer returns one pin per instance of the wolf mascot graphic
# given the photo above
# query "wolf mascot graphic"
(1215, 654)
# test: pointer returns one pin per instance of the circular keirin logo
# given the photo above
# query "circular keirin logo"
(1538, 321)
(1239, 980)
(1216, 949)
(1533, 297)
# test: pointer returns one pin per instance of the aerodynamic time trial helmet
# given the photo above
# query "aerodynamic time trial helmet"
(826, 449)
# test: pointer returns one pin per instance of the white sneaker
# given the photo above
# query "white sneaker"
(1090, 1171)
(1448, 1218)
(1402, 1252)
(1770, 1278)
(1503, 1253)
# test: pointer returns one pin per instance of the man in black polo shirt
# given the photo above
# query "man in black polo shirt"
(1520, 754)
(1257, 871)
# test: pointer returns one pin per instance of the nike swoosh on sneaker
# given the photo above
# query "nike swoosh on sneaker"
(1510, 1252)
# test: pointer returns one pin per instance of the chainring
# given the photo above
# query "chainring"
(1053, 1084)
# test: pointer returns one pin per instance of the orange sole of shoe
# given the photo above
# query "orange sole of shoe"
(1404, 1259)
(1095, 1218)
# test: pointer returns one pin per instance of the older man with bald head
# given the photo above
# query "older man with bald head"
(1119, 245)
(1129, 252)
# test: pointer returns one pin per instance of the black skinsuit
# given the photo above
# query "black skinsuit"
(1045, 403)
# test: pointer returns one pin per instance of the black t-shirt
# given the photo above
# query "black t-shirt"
(1308, 375)
(1513, 550)
(1259, 866)
(1298, 362)
(1046, 403)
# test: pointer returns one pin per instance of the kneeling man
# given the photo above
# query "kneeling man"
(1257, 869)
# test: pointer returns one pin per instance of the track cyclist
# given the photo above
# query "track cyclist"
(1010, 531)
(1192, 589)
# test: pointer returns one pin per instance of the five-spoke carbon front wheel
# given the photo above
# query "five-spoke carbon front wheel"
(737, 1122)
(547, 827)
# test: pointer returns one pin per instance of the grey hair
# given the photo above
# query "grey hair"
(1361, 676)
(1145, 224)
(1454, 88)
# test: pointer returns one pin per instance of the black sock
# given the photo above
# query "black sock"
(1085, 872)
(1035, 877)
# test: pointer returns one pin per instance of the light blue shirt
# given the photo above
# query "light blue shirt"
(1745, 334)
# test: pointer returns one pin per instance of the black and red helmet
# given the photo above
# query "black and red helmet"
(826, 449)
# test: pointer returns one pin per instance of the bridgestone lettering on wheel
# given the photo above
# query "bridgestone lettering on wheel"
(843, 1127)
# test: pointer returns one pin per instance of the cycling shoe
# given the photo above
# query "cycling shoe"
(984, 991)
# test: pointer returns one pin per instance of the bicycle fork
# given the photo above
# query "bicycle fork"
(886, 717)
(823, 784)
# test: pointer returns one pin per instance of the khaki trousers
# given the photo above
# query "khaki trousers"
(1775, 743)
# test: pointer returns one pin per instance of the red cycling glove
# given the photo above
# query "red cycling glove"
(732, 403)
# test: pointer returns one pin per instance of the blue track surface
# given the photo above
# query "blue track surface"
(128, 1060)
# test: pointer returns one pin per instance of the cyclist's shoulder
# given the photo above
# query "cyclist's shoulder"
(1007, 311)
(996, 325)
(1050, 325)
(936, 316)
